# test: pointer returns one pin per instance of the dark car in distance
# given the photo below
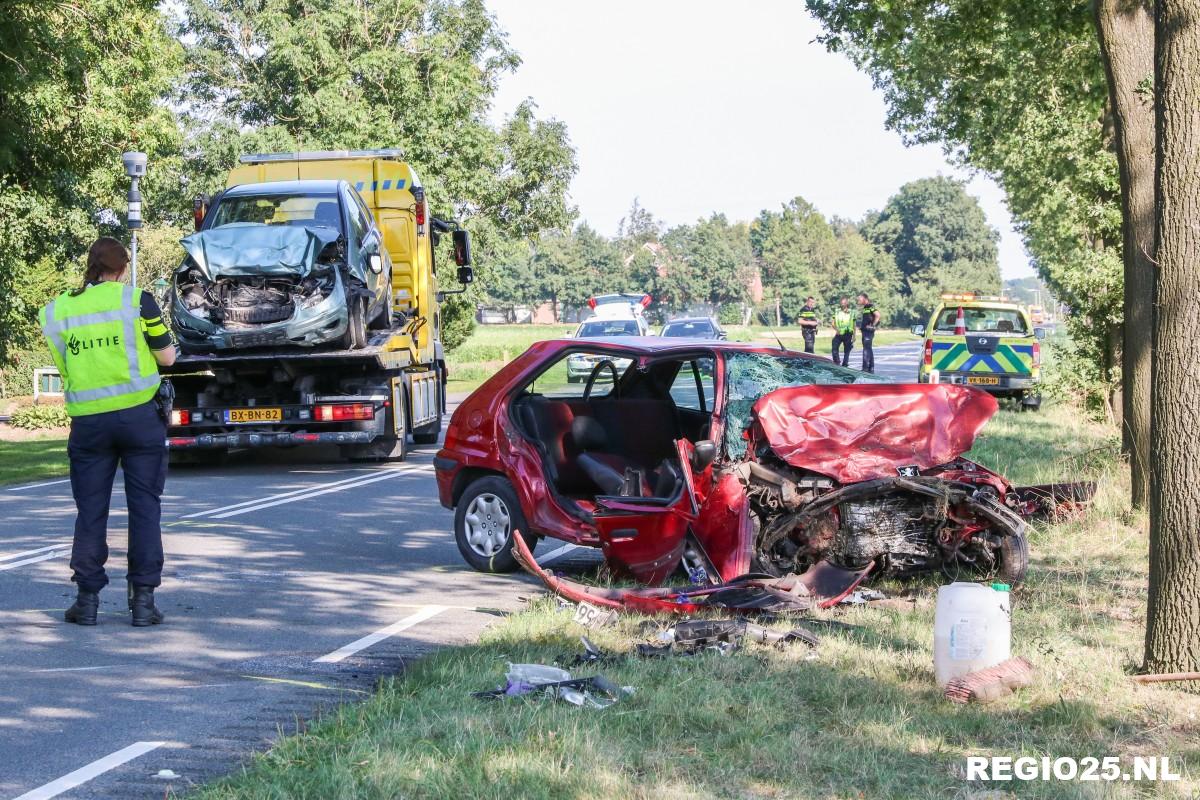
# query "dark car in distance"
(693, 328)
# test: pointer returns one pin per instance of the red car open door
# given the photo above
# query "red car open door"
(645, 536)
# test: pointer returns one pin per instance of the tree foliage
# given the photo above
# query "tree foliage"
(79, 83)
(1015, 89)
(940, 240)
(417, 74)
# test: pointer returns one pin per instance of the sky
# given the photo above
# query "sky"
(695, 106)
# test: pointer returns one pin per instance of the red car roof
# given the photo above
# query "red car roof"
(650, 345)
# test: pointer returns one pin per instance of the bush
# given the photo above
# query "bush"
(458, 320)
(16, 375)
(730, 314)
(37, 418)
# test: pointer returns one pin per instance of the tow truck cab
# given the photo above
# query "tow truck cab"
(986, 342)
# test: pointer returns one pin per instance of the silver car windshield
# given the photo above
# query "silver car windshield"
(303, 210)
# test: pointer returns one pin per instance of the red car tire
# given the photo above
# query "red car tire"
(485, 517)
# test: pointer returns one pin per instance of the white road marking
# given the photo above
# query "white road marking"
(309, 488)
(37, 485)
(11, 556)
(76, 669)
(92, 770)
(54, 554)
(375, 478)
(342, 653)
(555, 553)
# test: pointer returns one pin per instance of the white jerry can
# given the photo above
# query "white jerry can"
(972, 629)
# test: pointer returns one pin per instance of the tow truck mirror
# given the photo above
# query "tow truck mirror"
(1040, 333)
(462, 250)
(376, 263)
(704, 452)
(465, 275)
(918, 330)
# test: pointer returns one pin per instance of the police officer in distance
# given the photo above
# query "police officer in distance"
(868, 323)
(108, 340)
(808, 325)
(843, 332)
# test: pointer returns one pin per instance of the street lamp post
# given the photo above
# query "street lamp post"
(135, 168)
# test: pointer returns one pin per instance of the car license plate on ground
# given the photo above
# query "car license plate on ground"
(590, 616)
(986, 380)
(237, 415)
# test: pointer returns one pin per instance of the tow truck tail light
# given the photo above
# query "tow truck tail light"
(344, 412)
(419, 208)
(1037, 354)
(929, 352)
(180, 416)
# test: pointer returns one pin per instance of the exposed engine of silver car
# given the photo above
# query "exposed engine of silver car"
(239, 303)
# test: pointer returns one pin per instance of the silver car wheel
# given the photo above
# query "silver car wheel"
(488, 523)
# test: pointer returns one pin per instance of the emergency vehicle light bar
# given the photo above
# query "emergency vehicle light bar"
(321, 155)
(971, 296)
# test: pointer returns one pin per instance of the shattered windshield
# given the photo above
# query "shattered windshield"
(751, 375)
(306, 210)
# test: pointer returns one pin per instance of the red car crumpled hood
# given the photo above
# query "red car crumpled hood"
(855, 433)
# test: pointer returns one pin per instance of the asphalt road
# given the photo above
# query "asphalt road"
(293, 582)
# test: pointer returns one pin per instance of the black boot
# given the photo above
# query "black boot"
(143, 608)
(83, 611)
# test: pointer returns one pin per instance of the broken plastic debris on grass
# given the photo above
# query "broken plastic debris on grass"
(724, 636)
(862, 596)
(547, 681)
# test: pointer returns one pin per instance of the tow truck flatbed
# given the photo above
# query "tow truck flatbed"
(387, 350)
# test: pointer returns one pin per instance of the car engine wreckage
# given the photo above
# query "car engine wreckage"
(836, 484)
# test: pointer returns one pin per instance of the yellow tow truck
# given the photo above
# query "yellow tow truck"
(307, 309)
(983, 341)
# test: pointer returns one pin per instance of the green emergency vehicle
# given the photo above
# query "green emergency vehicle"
(986, 342)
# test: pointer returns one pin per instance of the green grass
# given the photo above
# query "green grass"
(490, 347)
(863, 719)
(33, 459)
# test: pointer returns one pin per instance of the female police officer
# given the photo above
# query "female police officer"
(107, 340)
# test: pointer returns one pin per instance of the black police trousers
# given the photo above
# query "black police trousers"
(840, 340)
(810, 339)
(868, 342)
(135, 438)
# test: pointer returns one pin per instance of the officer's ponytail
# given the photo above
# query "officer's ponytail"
(106, 256)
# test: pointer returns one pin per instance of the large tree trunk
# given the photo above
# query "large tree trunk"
(1126, 31)
(1173, 618)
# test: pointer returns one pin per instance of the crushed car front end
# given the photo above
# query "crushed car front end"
(253, 285)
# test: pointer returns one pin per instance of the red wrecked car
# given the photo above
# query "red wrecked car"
(725, 459)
